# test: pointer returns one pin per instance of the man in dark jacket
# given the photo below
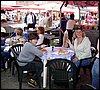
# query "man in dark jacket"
(30, 20)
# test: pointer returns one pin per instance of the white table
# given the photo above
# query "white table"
(53, 55)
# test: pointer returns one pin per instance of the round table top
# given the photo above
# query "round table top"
(58, 52)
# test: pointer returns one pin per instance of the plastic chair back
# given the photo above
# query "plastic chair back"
(62, 71)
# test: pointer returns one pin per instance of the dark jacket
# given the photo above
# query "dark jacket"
(34, 21)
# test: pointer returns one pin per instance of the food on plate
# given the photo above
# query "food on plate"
(62, 52)
(44, 50)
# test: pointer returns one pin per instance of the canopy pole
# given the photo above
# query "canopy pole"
(79, 15)
(60, 23)
(61, 12)
(79, 11)
(98, 17)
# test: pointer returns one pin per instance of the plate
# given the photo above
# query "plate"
(44, 50)
(62, 51)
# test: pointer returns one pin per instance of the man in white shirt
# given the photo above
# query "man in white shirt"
(48, 20)
(30, 20)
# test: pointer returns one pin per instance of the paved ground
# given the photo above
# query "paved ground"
(10, 82)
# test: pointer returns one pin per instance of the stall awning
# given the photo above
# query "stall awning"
(7, 7)
(83, 3)
(33, 7)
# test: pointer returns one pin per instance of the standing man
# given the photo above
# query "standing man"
(63, 26)
(30, 20)
(48, 20)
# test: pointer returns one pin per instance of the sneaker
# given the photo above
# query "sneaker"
(32, 83)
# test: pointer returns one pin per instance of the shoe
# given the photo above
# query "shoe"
(32, 83)
(79, 76)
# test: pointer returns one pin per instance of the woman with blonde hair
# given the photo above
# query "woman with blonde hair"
(82, 46)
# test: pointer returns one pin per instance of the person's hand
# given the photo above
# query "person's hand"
(68, 41)
(43, 46)
(22, 40)
(75, 59)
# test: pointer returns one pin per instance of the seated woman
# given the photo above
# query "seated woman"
(17, 39)
(42, 41)
(40, 32)
(4, 55)
(82, 47)
(29, 54)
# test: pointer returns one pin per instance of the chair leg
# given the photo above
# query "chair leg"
(20, 76)
(10, 62)
(13, 68)
(39, 82)
(50, 82)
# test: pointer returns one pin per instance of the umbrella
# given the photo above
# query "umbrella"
(82, 3)
(52, 6)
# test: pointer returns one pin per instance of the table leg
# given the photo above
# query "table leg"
(44, 73)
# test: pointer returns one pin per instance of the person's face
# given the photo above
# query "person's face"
(31, 13)
(78, 33)
(38, 31)
(34, 41)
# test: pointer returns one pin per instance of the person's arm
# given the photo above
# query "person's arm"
(98, 45)
(97, 49)
(36, 51)
(25, 20)
(69, 42)
(64, 39)
(40, 40)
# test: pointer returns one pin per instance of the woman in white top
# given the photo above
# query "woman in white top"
(40, 32)
(82, 47)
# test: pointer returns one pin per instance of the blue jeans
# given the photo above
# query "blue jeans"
(95, 74)
(84, 62)
(5, 56)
